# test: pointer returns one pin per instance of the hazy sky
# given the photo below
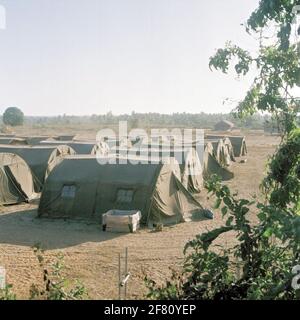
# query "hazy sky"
(93, 56)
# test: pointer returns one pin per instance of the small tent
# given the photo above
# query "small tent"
(224, 125)
(82, 187)
(16, 180)
(40, 159)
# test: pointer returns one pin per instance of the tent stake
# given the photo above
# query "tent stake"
(123, 277)
(120, 276)
(126, 272)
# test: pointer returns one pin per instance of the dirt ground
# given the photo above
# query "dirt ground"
(92, 255)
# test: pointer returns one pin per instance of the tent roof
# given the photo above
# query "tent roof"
(129, 173)
(41, 159)
(80, 147)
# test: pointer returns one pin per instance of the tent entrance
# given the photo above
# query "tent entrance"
(11, 191)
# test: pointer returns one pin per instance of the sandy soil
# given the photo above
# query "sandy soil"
(92, 255)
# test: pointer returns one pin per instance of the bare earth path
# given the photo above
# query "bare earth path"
(92, 255)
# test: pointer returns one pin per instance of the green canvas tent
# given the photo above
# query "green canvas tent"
(189, 162)
(5, 140)
(221, 151)
(14, 141)
(40, 159)
(229, 148)
(238, 143)
(212, 166)
(16, 180)
(80, 187)
(213, 159)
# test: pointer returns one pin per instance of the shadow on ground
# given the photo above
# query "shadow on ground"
(23, 228)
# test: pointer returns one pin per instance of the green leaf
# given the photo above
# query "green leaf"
(261, 216)
(268, 232)
(224, 211)
(229, 221)
(217, 203)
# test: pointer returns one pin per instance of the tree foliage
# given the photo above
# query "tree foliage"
(257, 267)
(266, 252)
(13, 116)
(55, 286)
(147, 120)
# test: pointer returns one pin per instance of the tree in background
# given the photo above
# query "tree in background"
(13, 117)
(264, 262)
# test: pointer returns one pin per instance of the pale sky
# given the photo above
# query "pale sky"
(94, 56)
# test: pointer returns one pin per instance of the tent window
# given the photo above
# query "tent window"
(68, 191)
(125, 195)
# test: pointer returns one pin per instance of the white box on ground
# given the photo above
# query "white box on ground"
(2, 278)
(121, 220)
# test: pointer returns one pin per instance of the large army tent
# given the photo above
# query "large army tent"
(229, 148)
(40, 159)
(214, 158)
(220, 151)
(18, 141)
(81, 147)
(81, 187)
(212, 166)
(13, 141)
(5, 140)
(16, 181)
(190, 164)
(238, 143)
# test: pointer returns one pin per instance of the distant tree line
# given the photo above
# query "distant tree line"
(142, 120)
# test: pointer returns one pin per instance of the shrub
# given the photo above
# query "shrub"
(13, 117)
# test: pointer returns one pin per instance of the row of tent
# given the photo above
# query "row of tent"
(75, 185)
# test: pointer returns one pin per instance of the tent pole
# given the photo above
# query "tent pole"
(119, 282)
(126, 271)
